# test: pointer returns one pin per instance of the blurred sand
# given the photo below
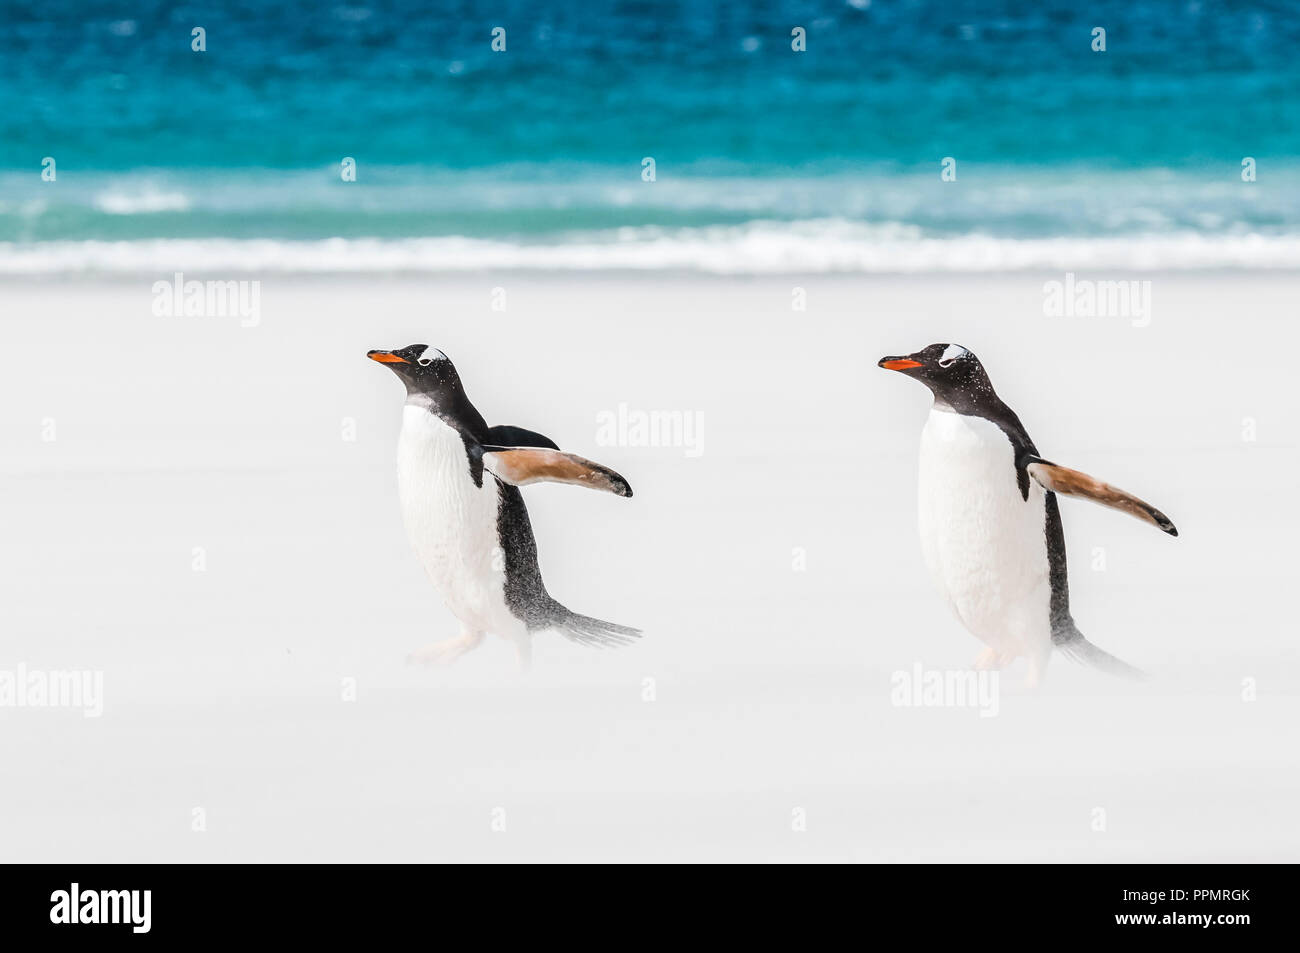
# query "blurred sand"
(772, 687)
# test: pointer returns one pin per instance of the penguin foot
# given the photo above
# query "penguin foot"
(1037, 672)
(988, 661)
(447, 651)
(524, 654)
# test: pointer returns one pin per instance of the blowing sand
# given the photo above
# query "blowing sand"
(206, 514)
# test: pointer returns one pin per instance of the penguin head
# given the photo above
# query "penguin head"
(423, 369)
(949, 370)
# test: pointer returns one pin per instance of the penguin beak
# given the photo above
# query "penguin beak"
(386, 357)
(898, 363)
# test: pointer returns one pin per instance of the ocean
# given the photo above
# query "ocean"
(903, 137)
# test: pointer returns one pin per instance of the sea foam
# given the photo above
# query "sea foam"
(756, 248)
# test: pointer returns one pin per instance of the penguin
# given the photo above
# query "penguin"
(991, 531)
(458, 482)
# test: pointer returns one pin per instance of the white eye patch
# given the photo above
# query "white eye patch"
(431, 354)
(953, 353)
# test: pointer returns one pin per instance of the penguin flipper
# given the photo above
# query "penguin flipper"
(521, 466)
(1069, 482)
(503, 435)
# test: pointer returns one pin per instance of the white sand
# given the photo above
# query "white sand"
(222, 688)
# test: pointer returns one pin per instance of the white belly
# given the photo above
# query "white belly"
(452, 524)
(985, 545)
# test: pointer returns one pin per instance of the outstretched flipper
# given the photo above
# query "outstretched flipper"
(521, 466)
(513, 444)
(504, 435)
(1069, 482)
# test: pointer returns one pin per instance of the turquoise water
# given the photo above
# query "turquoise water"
(765, 159)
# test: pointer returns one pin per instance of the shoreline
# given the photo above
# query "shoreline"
(656, 277)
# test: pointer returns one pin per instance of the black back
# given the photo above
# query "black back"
(526, 594)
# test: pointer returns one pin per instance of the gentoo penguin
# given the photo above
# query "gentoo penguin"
(990, 529)
(458, 481)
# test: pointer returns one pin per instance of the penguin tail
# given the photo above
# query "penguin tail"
(596, 633)
(1076, 648)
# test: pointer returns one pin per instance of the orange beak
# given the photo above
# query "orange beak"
(386, 357)
(899, 364)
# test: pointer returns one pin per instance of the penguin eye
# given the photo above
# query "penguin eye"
(954, 352)
(429, 355)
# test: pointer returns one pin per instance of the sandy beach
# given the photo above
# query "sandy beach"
(204, 510)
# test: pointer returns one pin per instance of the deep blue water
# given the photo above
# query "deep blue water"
(544, 142)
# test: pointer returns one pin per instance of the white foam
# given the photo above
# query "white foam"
(141, 203)
(756, 248)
